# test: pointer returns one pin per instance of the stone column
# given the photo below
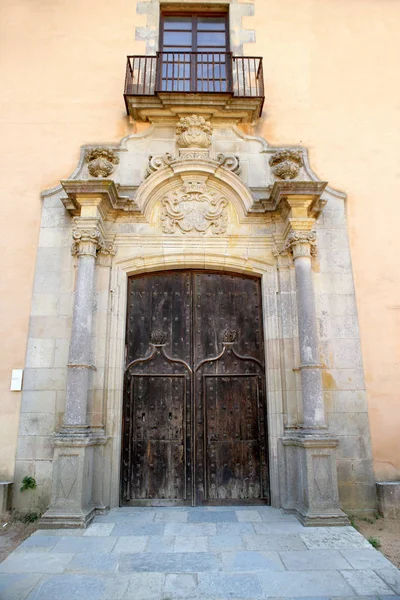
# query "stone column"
(86, 244)
(310, 487)
(302, 245)
(72, 503)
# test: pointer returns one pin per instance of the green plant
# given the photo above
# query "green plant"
(25, 517)
(28, 483)
(374, 542)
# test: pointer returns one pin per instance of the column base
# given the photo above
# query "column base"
(73, 504)
(309, 479)
(59, 518)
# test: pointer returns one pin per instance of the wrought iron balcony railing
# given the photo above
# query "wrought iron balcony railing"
(195, 73)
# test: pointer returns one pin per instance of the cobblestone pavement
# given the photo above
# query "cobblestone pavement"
(197, 553)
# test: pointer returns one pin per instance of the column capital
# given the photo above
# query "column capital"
(87, 241)
(301, 243)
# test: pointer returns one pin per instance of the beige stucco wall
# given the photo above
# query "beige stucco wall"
(330, 85)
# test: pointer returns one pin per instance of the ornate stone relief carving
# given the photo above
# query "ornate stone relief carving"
(229, 161)
(194, 207)
(301, 243)
(101, 162)
(157, 162)
(286, 163)
(193, 132)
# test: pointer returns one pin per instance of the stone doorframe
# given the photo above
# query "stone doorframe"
(125, 268)
(87, 456)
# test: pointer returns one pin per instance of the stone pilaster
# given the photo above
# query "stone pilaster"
(309, 472)
(75, 445)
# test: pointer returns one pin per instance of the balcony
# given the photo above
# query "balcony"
(217, 85)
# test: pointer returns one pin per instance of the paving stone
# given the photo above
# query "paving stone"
(99, 545)
(229, 585)
(391, 577)
(226, 542)
(192, 544)
(212, 517)
(275, 514)
(177, 562)
(171, 517)
(292, 584)
(37, 543)
(98, 530)
(251, 561)
(367, 559)
(142, 518)
(281, 528)
(160, 543)
(32, 562)
(180, 585)
(130, 544)
(145, 586)
(234, 528)
(71, 586)
(123, 529)
(314, 560)
(94, 563)
(17, 586)
(366, 582)
(248, 516)
(190, 529)
(335, 538)
(58, 532)
(278, 543)
(224, 508)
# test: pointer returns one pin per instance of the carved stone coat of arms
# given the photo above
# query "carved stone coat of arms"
(194, 207)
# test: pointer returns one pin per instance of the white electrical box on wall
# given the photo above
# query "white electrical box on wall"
(16, 380)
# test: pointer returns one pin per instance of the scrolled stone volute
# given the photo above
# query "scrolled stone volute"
(86, 241)
(193, 132)
(101, 162)
(301, 243)
(286, 163)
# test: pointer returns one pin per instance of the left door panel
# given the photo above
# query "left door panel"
(156, 454)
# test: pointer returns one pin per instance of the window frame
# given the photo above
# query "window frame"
(195, 14)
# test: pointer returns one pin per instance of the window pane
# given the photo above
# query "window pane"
(178, 23)
(211, 39)
(177, 50)
(214, 23)
(177, 38)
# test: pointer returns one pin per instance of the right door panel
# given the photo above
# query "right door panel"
(230, 424)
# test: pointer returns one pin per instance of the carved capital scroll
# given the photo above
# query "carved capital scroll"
(301, 243)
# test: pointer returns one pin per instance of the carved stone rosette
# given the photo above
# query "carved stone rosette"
(193, 132)
(194, 207)
(286, 163)
(101, 162)
(87, 241)
(301, 243)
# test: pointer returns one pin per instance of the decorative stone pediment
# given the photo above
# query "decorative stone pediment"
(131, 178)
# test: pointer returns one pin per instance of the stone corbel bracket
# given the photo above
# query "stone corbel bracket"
(111, 204)
(282, 189)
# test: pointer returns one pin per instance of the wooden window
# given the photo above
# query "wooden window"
(194, 52)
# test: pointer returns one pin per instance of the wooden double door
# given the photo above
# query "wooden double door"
(194, 414)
